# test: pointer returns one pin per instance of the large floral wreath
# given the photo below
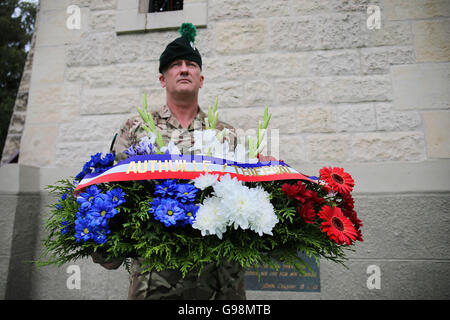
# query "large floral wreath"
(184, 224)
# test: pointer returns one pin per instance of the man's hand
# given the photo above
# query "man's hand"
(98, 257)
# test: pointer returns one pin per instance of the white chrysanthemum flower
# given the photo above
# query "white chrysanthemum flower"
(264, 219)
(235, 204)
(226, 185)
(209, 218)
(205, 180)
(264, 222)
(238, 206)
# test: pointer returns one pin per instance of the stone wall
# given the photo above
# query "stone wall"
(338, 90)
(374, 101)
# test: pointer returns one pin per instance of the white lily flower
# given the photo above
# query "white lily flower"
(222, 134)
(152, 137)
(240, 153)
(204, 141)
(171, 147)
(220, 149)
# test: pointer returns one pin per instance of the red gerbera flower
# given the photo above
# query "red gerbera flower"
(297, 191)
(306, 211)
(347, 201)
(355, 220)
(316, 199)
(290, 190)
(359, 235)
(337, 226)
(337, 179)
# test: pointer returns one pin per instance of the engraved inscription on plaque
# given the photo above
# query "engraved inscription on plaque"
(287, 278)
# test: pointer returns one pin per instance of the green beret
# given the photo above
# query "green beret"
(181, 48)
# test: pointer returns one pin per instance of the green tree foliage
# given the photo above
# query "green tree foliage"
(17, 20)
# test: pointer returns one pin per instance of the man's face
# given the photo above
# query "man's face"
(182, 77)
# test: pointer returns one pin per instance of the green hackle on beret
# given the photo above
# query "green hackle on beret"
(188, 31)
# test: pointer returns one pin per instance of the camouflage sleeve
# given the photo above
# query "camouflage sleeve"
(128, 135)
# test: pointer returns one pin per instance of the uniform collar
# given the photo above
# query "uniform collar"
(165, 113)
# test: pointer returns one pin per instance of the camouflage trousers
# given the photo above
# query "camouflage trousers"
(216, 282)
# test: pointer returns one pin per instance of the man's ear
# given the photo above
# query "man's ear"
(201, 81)
(162, 80)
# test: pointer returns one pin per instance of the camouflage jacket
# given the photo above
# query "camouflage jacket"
(217, 281)
(132, 131)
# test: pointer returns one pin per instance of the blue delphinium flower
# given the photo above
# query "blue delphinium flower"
(174, 203)
(89, 193)
(96, 164)
(86, 198)
(185, 192)
(84, 230)
(88, 227)
(116, 196)
(130, 152)
(107, 160)
(167, 188)
(95, 159)
(169, 212)
(65, 226)
(101, 211)
(144, 147)
(62, 198)
(190, 211)
(100, 235)
(95, 209)
(154, 205)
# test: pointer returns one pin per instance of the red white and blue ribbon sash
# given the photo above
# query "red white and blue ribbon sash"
(166, 166)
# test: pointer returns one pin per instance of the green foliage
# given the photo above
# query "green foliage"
(255, 147)
(135, 233)
(16, 25)
(213, 115)
(149, 124)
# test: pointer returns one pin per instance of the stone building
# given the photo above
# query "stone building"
(362, 84)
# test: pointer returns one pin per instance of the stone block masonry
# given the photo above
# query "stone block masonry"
(317, 60)
(372, 100)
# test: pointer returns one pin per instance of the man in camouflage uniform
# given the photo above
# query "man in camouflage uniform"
(132, 131)
(180, 67)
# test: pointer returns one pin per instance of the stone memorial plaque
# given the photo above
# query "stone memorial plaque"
(287, 278)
